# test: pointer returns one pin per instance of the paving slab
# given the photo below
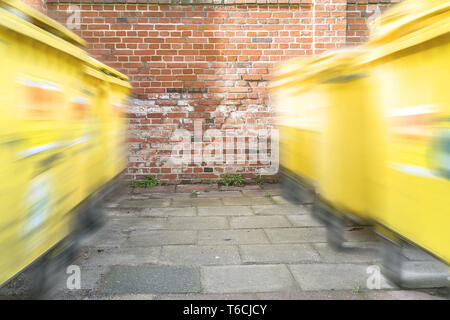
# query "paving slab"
(399, 295)
(279, 210)
(106, 237)
(197, 202)
(312, 295)
(196, 187)
(225, 211)
(197, 223)
(304, 220)
(296, 235)
(149, 203)
(278, 253)
(334, 276)
(152, 212)
(129, 224)
(425, 274)
(246, 279)
(146, 279)
(280, 200)
(259, 222)
(351, 253)
(360, 233)
(247, 201)
(200, 255)
(256, 193)
(220, 194)
(237, 188)
(416, 254)
(207, 296)
(157, 189)
(160, 237)
(175, 195)
(240, 236)
(96, 257)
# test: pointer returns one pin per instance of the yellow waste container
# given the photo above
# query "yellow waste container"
(55, 114)
(409, 54)
(117, 109)
(343, 164)
(39, 71)
(299, 109)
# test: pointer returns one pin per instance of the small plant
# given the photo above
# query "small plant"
(266, 180)
(357, 289)
(195, 192)
(268, 195)
(233, 180)
(148, 182)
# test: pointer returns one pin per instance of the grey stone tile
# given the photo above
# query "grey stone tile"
(153, 212)
(296, 235)
(129, 224)
(278, 253)
(95, 257)
(279, 210)
(220, 194)
(146, 279)
(208, 296)
(246, 279)
(425, 274)
(200, 255)
(247, 201)
(351, 253)
(333, 276)
(225, 211)
(197, 223)
(197, 202)
(149, 203)
(280, 200)
(160, 237)
(259, 222)
(360, 233)
(241, 236)
(399, 295)
(304, 220)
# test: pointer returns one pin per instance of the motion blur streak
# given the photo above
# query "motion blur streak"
(365, 132)
(62, 141)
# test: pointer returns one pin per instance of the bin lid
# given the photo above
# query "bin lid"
(289, 73)
(100, 66)
(112, 75)
(339, 62)
(407, 17)
(41, 20)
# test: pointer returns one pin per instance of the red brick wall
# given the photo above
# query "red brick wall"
(206, 64)
(40, 5)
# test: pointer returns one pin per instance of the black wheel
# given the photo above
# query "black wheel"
(392, 261)
(49, 273)
(318, 212)
(335, 232)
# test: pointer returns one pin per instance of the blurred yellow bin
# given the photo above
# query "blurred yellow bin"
(38, 182)
(118, 91)
(57, 112)
(409, 54)
(299, 109)
(344, 155)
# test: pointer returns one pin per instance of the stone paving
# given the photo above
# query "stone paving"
(206, 242)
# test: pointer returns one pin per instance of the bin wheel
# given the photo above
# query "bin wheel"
(335, 232)
(51, 269)
(91, 219)
(392, 261)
